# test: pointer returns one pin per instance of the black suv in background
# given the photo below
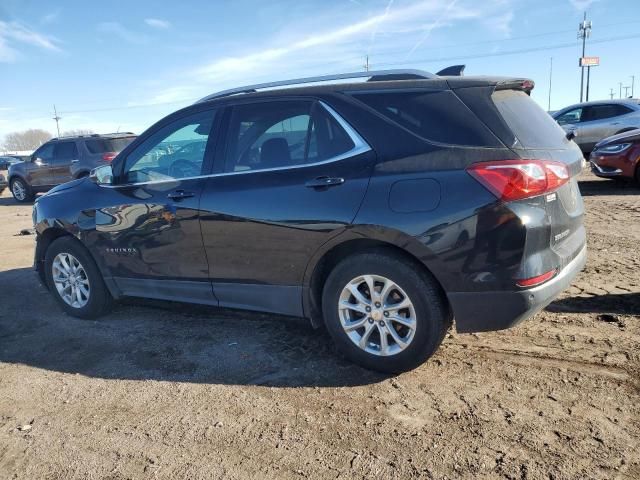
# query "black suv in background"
(382, 209)
(63, 159)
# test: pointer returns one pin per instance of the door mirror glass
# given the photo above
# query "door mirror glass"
(102, 175)
(38, 161)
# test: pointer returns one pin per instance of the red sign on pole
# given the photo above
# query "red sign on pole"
(589, 61)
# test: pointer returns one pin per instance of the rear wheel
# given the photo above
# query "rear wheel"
(383, 312)
(21, 190)
(74, 279)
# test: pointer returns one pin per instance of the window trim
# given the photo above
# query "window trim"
(360, 147)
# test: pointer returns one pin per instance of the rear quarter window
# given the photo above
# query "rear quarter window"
(438, 116)
(104, 145)
(531, 125)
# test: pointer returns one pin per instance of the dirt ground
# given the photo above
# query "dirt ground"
(158, 390)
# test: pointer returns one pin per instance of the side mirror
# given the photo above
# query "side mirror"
(571, 133)
(38, 161)
(102, 175)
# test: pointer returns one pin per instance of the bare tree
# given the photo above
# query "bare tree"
(26, 140)
(79, 131)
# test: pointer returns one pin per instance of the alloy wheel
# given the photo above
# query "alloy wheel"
(377, 315)
(18, 189)
(71, 280)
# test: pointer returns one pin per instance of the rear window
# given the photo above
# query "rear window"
(103, 145)
(531, 125)
(436, 116)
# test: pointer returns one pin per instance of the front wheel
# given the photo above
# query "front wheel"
(383, 312)
(74, 279)
(21, 191)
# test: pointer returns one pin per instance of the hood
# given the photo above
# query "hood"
(626, 137)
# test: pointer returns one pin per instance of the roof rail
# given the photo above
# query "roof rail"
(89, 135)
(373, 76)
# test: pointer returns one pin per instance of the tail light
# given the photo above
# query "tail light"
(517, 179)
(537, 280)
(108, 156)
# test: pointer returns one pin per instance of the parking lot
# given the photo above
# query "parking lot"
(159, 390)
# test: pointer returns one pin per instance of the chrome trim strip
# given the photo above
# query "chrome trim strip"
(607, 173)
(360, 147)
(318, 79)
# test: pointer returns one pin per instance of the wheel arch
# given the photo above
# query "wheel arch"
(332, 253)
(44, 240)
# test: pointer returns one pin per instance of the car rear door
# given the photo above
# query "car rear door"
(292, 175)
(64, 154)
(148, 232)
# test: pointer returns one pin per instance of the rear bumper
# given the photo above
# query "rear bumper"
(488, 311)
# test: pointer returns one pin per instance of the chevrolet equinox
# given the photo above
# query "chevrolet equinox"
(384, 208)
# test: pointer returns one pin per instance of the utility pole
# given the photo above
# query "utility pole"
(633, 83)
(620, 84)
(57, 119)
(584, 31)
(611, 93)
(366, 63)
(626, 91)
(588, 76)
(550, 76)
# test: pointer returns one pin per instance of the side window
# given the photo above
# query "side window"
(173, 152)
(45, 152)
(602, 112)
(438, 116)
(281, 134)
(65, 152)
(572, 116)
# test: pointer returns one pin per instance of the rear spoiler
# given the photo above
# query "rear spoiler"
(523, 84)
(452, 71)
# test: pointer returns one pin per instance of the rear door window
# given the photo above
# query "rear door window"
(280, 134)
(602, 112)
(531, 125)
(65, 151)
(438, 116)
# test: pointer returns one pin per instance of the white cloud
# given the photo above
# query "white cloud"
(157, 23)
(117, 29)
(582, 4)
(50, 17)
(14, 33)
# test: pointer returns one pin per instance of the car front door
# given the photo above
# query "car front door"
(40, 168)
(597, 123)
(292, 175)
(148, 234)
(64, 153)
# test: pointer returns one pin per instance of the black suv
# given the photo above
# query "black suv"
(63, 159)
(383, 209)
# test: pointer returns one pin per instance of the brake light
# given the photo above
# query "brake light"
(108, 156)
(533, 281)
(517, 179)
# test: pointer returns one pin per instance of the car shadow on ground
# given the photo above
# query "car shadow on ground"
(165, 341)
(625, 303)
(590, 188)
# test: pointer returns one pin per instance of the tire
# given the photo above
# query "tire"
(21, 191)
(98, 301)
(431, 316)
(637, 175)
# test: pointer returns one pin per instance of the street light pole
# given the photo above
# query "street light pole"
(584, 30)
(633, 83)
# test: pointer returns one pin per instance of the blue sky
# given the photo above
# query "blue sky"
(123, 65)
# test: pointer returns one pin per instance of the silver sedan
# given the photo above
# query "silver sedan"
(593, 121)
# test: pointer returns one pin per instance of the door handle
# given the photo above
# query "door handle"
(179, 195)
(324, 182)
(75, 161)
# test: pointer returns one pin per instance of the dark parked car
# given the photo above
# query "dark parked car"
(618, 157)
(7, 161)
(381, 209)
(64, 159)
